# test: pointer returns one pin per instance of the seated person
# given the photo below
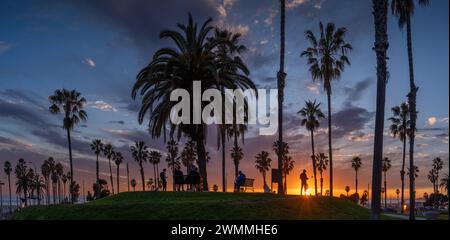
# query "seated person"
(239, 181)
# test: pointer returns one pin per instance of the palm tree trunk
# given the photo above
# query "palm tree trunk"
(281, 76)
(385, 190)
(117, 179)
(330, 149)
(264, 180)
(356, 181)
(128, 178)
(313, 158)
(224, 181)
(380, 9)
(97, 175)
(413, 115)
(10, 195)
(142, 176)
(402, 175)
(71, 161)
(110, 176)
(321, 184)
(236, 163)
(154, 173)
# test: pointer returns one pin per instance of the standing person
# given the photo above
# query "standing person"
(163, 177)
(304, 182)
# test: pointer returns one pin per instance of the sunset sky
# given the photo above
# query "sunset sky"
(98, 47)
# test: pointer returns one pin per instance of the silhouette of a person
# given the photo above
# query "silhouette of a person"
(163, 177)
(304, 182)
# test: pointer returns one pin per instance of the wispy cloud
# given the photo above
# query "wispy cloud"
(90, 62)
(103, 106)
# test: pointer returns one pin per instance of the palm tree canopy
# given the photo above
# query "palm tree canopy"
(118, 158)
(193, 59)
(237, 154)
(438, 164)
(356, 163)
(97, 146)
(263, 161)
(7, 168)
(108, 150)
(444, 182)
(400, 123)
(311, 114)
(327, 55)
(155, 157)
(71, 103)
(416, 172)
(321, 162)
(386, 164)
(139, 152)
(403, 9)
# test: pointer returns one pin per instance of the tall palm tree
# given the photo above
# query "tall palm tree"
(327, 57)
(140, 155)
(64, 179)
(71, 104)
(380, 12)
(347, 189)
(46, 170)
(263, 164)
(322, 162)
(400, 128)
(403, 10)
(173, 160)
(59, 172)
(7, 168)
(97, 147)
(414, 173)
(155, 159)
(281, 77)
(432, 176)
(133, 184)
(229, 50)
(24, 179)
(236, 154)
(108, 151)
(386, 165)
(356, 165)
(288, 163)
(118, 159)
(192, 59)
(311, 115)
(438, 164)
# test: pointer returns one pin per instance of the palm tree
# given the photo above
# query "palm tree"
(155, 159)
(229, 50)
(400, 128)
(193, 59)
(97, 147)
(263, 164)
(133, 184)
(415, 172)
(188, 155)
(380, 11)
(444, 184)
(281, 77)
(64, 179)
(327, 57)
(7, 168)
(432, 176)
(118, 159)
(288, 163)
(386, 165)
(173, 161)
(71, 103)
(24, 179)
(108, 150)
(397, 191)
(356, 164)
(46, 170)
(322, 162)
(236, 154)
(140, 155)
(403, 10)
(311, 115)
(347, 189)
(438, 164)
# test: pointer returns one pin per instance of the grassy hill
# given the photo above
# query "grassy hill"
(200, 206)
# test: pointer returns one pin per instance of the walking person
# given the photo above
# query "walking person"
(163, 177)
(304, 182)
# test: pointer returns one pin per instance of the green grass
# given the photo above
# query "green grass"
(200, 206)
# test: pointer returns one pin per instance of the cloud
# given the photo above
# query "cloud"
(355, 93)
(272, 14)
(264, 42)
(313, 88)
(4, 46)
(350, 119)
(293, 4)
(431, 121)
(89, 62)
(103, 106)
(117, 122)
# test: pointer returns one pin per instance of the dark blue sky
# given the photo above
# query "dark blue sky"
(97, 47)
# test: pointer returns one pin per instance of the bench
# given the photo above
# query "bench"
(248, 183)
